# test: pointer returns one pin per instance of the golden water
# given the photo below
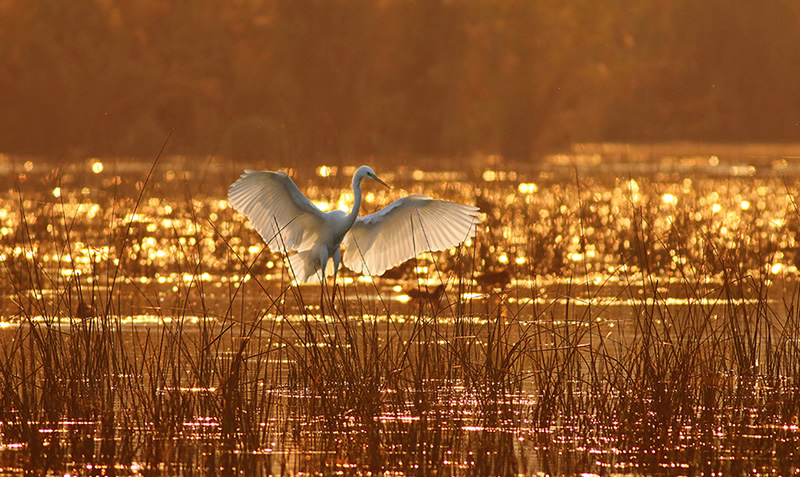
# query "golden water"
(579, 242)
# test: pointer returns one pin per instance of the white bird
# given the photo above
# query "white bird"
(289, 222)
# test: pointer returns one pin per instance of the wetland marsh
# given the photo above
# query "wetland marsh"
(613, 315)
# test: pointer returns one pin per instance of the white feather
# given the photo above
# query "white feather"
(404, 229)
(277, 209)
(282, 215)
(289, 223)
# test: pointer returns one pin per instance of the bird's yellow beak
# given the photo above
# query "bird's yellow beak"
(376, 178)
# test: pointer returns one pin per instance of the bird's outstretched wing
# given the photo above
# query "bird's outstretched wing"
(283, 216)
(405, 228)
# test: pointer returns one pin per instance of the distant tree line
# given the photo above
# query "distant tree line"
(305, 79)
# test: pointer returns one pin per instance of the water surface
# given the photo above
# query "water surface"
(612, 314)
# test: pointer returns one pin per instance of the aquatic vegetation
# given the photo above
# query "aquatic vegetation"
(641, 325)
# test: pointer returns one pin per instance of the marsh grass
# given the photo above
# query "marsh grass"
(456, 386)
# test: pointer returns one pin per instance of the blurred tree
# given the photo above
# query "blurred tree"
(427, 68)
(325, 79)
(322, 48)
(710, 70)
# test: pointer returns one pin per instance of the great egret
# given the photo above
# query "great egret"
(289, 222)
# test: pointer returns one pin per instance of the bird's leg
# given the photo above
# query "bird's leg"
(323, 260)
(333, 291)
(330, 294)
(337, 258)
(322, 299)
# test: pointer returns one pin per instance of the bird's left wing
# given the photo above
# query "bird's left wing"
(404, 229)
(284, 217)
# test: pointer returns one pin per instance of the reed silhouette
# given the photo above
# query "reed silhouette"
(522, 382)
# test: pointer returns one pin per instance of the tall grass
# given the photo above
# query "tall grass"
(520, 381)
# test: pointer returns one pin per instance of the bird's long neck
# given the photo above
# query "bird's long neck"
(353, 215)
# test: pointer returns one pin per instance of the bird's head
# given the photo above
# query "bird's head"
(366, 171)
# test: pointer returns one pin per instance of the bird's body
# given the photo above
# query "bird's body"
(289, 222)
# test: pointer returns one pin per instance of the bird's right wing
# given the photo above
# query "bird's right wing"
(404, 229)
(283, 216)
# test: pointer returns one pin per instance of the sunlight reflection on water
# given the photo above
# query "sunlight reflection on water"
(573, 248)
(548, 239)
